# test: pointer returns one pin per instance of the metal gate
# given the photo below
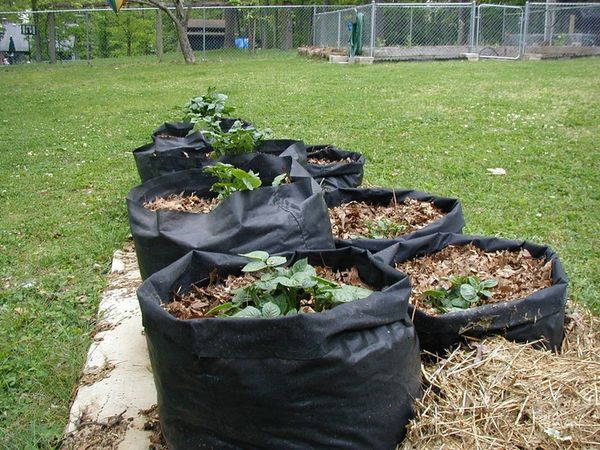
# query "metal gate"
(499, 31)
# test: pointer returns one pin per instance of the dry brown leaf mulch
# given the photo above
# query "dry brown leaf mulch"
(518, 274)
(92, 434)
(199, 300)
(324, 161)
(183, 202)
(157, 440)
(351, 220)
(503, 395)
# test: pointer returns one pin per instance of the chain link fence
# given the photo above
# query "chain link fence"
(213, 32)
(391, 31)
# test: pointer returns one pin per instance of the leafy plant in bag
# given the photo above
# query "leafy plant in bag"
(207, 110)
(237, 140)
(464, 292)
(285, 291)
(232, 179)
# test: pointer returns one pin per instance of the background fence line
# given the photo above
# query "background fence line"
(391, 31)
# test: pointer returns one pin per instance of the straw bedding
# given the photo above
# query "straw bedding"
(496, 394)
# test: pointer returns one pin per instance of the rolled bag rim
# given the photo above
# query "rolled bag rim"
(390, 305)
(453, 217)
(334, 168)
(453, 322)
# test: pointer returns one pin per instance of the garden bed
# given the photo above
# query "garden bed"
(356, 220)
(517, 273)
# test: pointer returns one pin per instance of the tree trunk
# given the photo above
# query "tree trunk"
(51, 38)
(37, 38)
(230, 27)
(184, 43)
(286, 30)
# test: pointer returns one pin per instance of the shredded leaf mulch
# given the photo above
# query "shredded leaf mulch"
(152, 423)
(518, 274)
(199, 300)
(325, 162)
(497, 394)
(183, 202)
(91, 434)
(354, 219)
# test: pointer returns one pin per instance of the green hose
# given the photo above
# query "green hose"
(356, 36)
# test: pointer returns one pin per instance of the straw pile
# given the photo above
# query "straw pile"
(497, 394)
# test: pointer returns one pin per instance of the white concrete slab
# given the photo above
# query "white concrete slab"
(117, 377)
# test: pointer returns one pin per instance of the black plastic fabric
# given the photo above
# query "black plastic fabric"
(283, 147)
(289, 217)
(337, 174)
(227, 123)
(452, 222)
(538, 316)
(172, 150)
(342, 379)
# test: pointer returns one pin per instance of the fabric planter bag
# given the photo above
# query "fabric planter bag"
(340, 173)
(341, 379)
(452, 222)
(276, 219)
(171, 151)
(283, 147)
(539, 316)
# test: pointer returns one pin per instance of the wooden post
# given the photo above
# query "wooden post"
(51, 38)
(159, 39)
(572, 24)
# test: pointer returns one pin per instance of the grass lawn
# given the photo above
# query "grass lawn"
(66, 135)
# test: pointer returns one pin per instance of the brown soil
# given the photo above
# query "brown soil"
(184, 203)
(324, 162)
(518, 273)
(351, 220)
(199, 300)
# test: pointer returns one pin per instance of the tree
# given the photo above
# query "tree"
(180, 19)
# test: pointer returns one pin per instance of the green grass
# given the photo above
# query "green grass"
(66, 133)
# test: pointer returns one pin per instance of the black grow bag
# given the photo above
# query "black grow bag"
(342, 379)
(340, 174)
(452, 222)
(538, 316)
(283, 147)
(172, 150)
(289, 217)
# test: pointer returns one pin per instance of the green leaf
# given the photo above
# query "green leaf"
(279, 179)
(347, 294)
(270, 310)
(258, 255)
(435, 294)
(487, 284)
(276, 261)
(292, 312)
(249, 312)
(300, 265)
(468, 292)
(254, 266)
(220, 309)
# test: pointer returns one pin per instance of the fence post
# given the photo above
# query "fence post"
(473, 25)
(526, 28)
(373, 17)
(314, 26)
(339, 27)
(204, 33)
(88, 44)
(51, 38)
(159, 38)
